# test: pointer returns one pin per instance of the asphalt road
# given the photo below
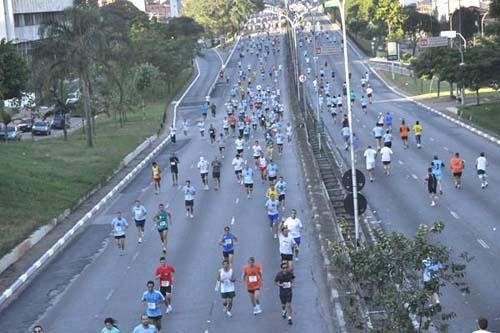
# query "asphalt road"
(90, 281)
(400, 200)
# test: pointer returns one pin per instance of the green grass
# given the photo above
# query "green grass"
(485, 115)
(39, 180)
(424, 89)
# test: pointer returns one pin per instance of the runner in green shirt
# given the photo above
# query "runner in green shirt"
(163, 219)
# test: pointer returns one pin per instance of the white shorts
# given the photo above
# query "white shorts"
(370, 165)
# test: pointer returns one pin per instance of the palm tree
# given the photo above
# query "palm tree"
(73, 46)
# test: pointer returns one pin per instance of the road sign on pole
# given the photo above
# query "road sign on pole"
(302, 78)
(433, 42)
(332, 3)
(448, 34)
(318, 50)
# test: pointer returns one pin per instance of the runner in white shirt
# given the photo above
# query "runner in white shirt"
(370, 155)
(139, 212)
(481, 165)
(203, 165)
(294, 226)
(257, 152)
(238, 163)
(240, 143)
(385, 156)
(287, 245)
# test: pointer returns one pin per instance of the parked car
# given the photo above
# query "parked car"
(58, 121)
(25, 125)
(12, 133)
(41, 128)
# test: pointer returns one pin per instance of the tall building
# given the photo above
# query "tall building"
(443, 8)
(21, 19)
(175, 8)
(140, 4)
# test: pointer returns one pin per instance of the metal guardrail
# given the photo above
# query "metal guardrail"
(392, 67)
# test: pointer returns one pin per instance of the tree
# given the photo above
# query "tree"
(495, 8)
(390, 269)
(75, 45)
(390, 13)
(467, 21)
(417, 24)
(14, 72)
(144, 78)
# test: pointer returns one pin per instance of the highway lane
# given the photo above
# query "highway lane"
(400, 200)
(90, 281)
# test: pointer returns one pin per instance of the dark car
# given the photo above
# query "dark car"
(58, 121)
(25, 125)
(41, 128)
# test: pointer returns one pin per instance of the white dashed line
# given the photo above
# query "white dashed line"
(483, 243)
(108, 297)
(135, 256)
(414, 176)
(446, 148)
(454, 214)
(232, 220)
(237, 200)
(400, 162)
(431, 138)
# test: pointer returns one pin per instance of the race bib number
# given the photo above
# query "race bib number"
(287, 285)
(165, 283)
(229, 241)
(252, 278)
(151, 306)
(172, 163)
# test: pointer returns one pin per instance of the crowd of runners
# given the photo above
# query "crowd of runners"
(254, 121)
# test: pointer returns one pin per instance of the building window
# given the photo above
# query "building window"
(18, 20)
(29, 19)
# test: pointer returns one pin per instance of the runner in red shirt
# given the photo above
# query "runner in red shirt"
(165, 273)
(252, 274)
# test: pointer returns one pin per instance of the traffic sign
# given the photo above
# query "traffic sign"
(318, 50)
(433, 42)
(332, 3)
(349, 204)
(448, 34)
(302, 78)
(347, 180)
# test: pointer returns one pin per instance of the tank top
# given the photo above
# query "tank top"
(226, 285)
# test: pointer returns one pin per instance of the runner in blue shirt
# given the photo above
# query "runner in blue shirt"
(204, 111)
(247, 173)
(272, 208)
(119, 225)
(437, 170)
(364, 103)
(280, 140)
(377, 132)
(281, 188)
(388, 121)
(227, 242)
(189, 192)
(153, 299)
(145, 326)
(272, 171)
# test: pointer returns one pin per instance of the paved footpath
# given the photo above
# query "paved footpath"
(90, 281)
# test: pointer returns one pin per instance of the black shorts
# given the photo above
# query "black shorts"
(281, 198)
(431, 189)
(203, 175)
(363, 106)
(253, 291)
(156, 321)
(378, 137)
(369, 95)
(237, 172)
(173, 169)
(120, 237)
(226, 254)
(386, 162)
(140, 223)
(457, 174)
(272, 178)
(239, 151)
(189, 203)
(216, 175)
(166, 290)
(481, 172)
(248, 185)
(404, 137)
(286, 297)
(388, 144)
(286, 257)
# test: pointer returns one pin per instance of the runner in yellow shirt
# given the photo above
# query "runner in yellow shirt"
(272, 191)
(417, 129)
(155, 169)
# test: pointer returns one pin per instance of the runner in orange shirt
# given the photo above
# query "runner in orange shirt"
(457, 166)
(404, 130)
(252, 274)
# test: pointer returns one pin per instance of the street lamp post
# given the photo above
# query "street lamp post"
(340, 4)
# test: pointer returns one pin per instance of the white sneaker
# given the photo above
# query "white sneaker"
(296, 258)
(275, 236)
(191, 216)
(169, 308)
(140, 240)
(229, 314)
(187, 214)
(433, 203)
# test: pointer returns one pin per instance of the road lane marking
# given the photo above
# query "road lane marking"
(483, 243)
(237, 200)
(414, 176)
(135, 256)
(431, 138)
(446, 148)
(454, 214)
(400, 162)
(108, 297)
(232, 220)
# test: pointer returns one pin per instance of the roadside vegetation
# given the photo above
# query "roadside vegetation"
(127, 69)
(485, 115)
